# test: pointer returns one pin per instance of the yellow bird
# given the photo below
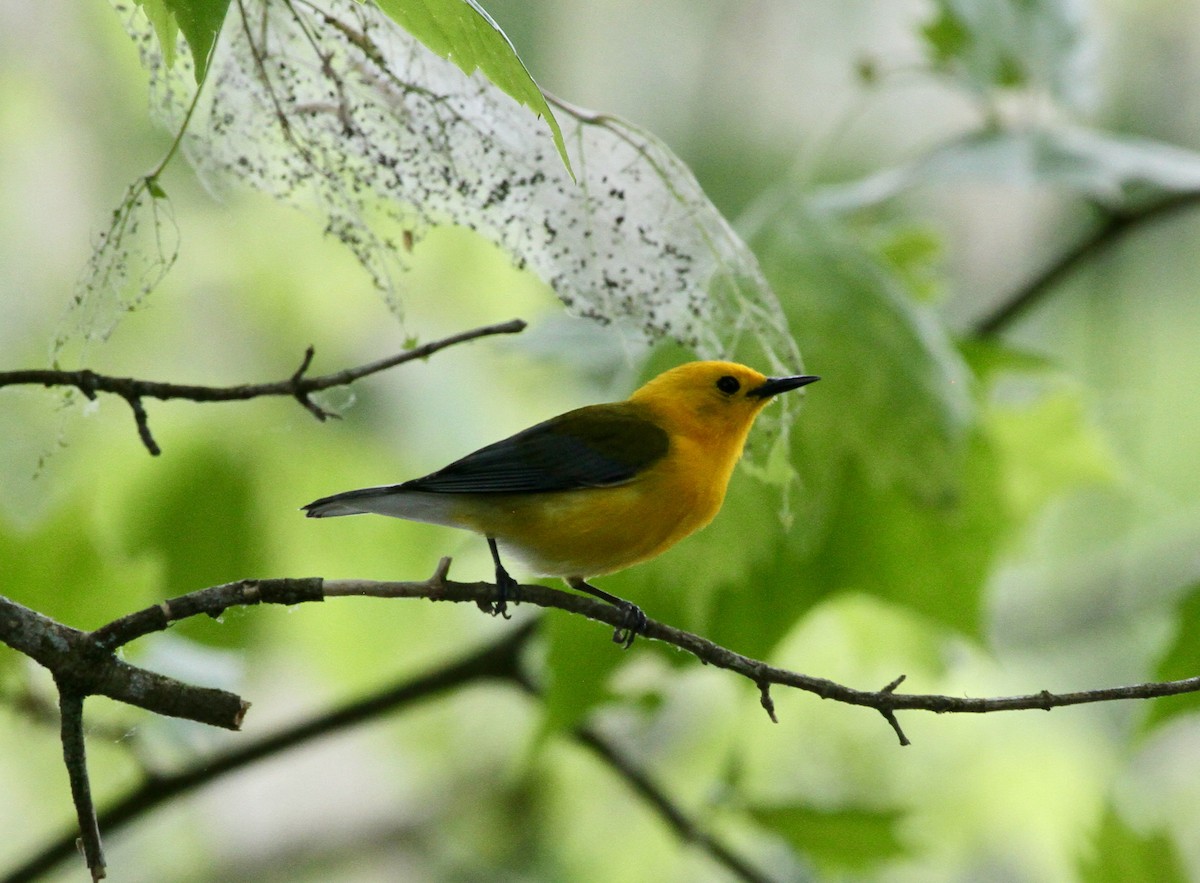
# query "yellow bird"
(596, 489)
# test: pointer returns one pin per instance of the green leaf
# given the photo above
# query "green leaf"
(914, 253)
(986, 45)
(989, 358)
(947, 35)
(1181, 660)
(1049, 446)
(64, 569)
(165, 26)
(837, 840)
(899, 491)
(1046, 435)
(1119, 855)
(196, 516)
(460, 31)
(199, 20)
(933, 556)
(896, 395)
(580, 659)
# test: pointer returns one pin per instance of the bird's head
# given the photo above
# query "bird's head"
(719, 398)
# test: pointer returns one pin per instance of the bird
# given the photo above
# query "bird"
(597, 489)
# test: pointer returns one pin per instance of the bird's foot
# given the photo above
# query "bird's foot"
(633, 623)
(506, 586)
(507, 589)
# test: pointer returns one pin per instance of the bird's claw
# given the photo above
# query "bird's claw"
(506, 588)
(633, 623)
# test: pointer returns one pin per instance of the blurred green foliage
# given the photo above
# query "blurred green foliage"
(196, 517)
(821, 834)
(1181, 660)
(985, 515)
(1024, 44)
(1119, 853)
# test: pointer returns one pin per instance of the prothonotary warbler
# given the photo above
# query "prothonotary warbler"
(596, 489)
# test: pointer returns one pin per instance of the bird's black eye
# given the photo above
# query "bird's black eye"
(728, 385)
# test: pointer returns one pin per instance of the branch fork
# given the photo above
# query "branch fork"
(83, 663)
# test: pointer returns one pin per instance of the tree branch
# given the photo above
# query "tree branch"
(83, 664)
(60, 648)
(499, 661)
(1111, 229)
(75, 757)
(215, 600)
(685, 828)
(297, 386)
(886, 700)
(83, 669)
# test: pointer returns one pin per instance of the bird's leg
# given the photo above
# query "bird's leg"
(634, 620)
(506, 586)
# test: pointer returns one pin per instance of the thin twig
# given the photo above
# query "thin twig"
(296, 386)
(890, 716)
(212, 602)
(886, 701)
(53, 644)
(1109, 231)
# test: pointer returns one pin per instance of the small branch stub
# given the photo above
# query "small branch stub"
(890, 716)
(300, 394)
(764, 699)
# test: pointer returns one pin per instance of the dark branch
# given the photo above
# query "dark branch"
(301, 396)
(498, 661)
(212, 602)
(142, 421)
(890, 716)
(1109, 231)
(85, 661)
(78, 666)
(765, 700)
(75, 756)
(83, 664)
(297, 386)
(684, 827)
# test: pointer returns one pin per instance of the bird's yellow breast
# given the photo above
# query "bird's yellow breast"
(596, 531)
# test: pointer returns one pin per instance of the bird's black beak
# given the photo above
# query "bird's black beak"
(775, 385)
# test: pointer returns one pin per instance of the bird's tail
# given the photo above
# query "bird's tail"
(359, 502)
(395, 500)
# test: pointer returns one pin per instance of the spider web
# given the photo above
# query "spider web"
(334, 108)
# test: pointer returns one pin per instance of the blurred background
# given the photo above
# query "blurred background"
(987, 503)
